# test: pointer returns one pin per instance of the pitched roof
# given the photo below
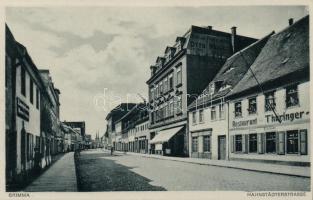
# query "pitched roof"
(285, 53)
(232, 71)
(120, 110)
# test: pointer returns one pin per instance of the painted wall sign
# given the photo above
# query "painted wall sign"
(286, 117)
(22, 110)
(249, 122)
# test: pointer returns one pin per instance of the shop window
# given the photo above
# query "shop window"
(23, 81)
(194, 117)
(206, 143)
(31, 91)
(238, 111)
(253, 143)
(252, 106)
(213, 113)
(179, 75)
(292, 142)
(194, 144)
(271, 142)
(238, 143)
(200, 116)
(292, 96)
(221, 111)
(170, 81)
(270, 101)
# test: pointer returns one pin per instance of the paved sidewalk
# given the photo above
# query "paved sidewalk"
(252, 166)
(60, 177)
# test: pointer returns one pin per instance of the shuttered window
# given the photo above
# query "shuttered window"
(253, 143)
(271, 142)
(303, 142)
(238, 143)
(292, 142)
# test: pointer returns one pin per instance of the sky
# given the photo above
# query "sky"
(100, 56)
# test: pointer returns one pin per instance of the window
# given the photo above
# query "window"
(151, 93)
(23, 81)
(292, 142)
(271, 142)
(179, 75)
(222, 111)
(165, 87)
(238, 143)
(292, 96)
(194, 117)
(253, 143)
(170, 80)
(171, 108)
(200, 116)
(213, 113)
(157, 91)
(179, 104)
(206, 143)
(269, 101)
(238, 112)
(161, 87)
(252, 106)
(37, 98)
(194, 144)
(31, 91)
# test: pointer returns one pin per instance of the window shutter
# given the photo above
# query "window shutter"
(281, 143)
(303, 142)
(260, 139)
(232, 143)
(245, 143)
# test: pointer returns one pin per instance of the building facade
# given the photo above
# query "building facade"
(208, 114)
(179, 77)
(24, 90)
(270, 119)
(80, 128)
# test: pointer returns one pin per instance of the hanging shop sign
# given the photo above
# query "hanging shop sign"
(22, 110)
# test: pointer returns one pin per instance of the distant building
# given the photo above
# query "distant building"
(88, 142)
(112, 117)
(80, 127)
(178, 77)
(273, 124)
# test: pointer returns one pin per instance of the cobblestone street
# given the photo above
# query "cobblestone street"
(99, 171)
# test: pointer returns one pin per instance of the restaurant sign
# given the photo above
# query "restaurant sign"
(22, 110)
(244, 123)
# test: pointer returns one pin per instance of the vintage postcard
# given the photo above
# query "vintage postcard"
(159, 100)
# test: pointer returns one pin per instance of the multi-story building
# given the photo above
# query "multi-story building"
(79, 127)
(179, 77)
(24, 89)
(135, 133)
(113, 129)
(208, 116)
(50, 120)
(269, 109)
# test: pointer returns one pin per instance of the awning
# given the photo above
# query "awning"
(166, 135)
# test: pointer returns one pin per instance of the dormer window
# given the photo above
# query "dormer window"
(180, 43)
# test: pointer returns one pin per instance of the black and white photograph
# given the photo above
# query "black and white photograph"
(156, 98)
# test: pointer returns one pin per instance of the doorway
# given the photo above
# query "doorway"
(222, 147)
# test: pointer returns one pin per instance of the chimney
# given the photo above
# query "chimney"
(233, 38)
(209, 28)
(290, 21)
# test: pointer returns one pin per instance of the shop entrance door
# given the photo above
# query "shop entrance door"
(222, 147)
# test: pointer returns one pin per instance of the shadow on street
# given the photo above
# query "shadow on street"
(95, 173)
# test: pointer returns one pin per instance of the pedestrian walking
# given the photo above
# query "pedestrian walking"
(111, 151)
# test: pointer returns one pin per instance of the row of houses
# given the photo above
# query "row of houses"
(218, 95)
(34, 132)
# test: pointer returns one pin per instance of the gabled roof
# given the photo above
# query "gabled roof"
(169, 48)
(232, 71)
(120, 110)
(286, 53)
